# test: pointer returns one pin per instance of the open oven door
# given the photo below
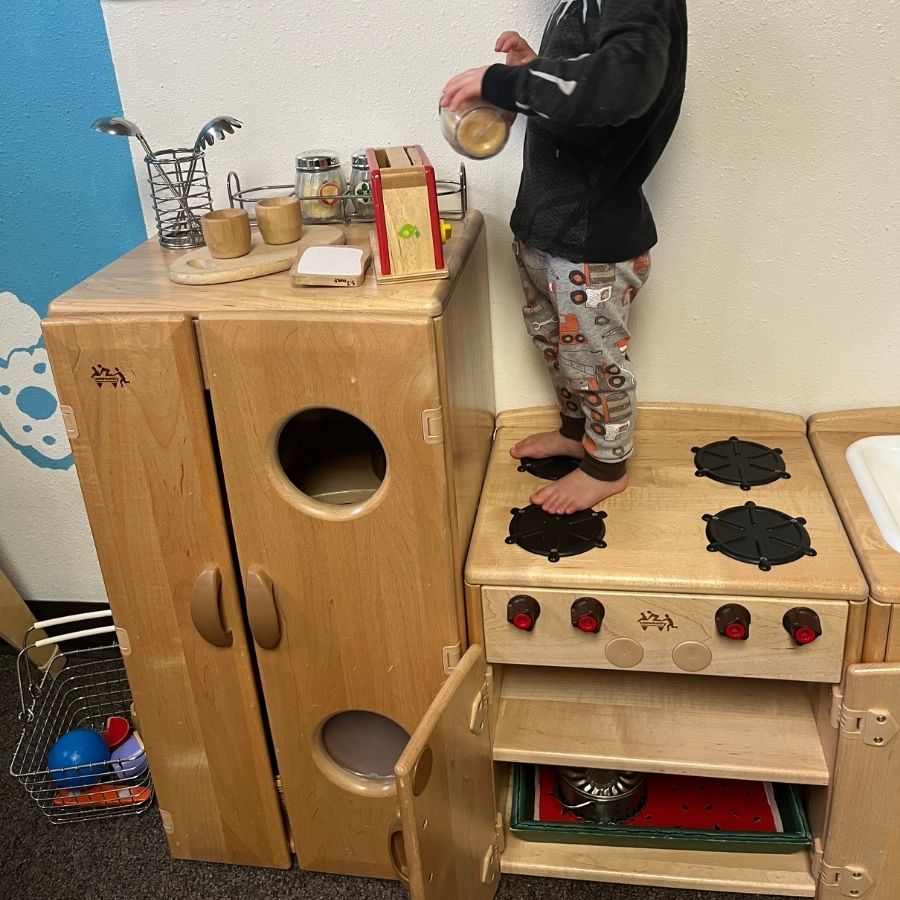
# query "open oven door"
(446, 844)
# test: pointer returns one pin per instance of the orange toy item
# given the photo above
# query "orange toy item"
(109, 796)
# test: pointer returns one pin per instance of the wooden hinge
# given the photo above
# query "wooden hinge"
(124, 642)
(279, 787)
(68, 417)
(433, 425)
(499, 833)
(490, 866)
(450, 657)
(817, 857)
(478, 716)
(875, 727)
(837, 704)
(846, 881)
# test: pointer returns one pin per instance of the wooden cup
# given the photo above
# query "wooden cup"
(279, 220)
(227, 233)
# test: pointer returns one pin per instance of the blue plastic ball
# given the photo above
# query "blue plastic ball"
(81, 747)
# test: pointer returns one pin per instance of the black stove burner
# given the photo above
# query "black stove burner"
(552, 468)
(556, 536)
(739, 462)
(758, 535)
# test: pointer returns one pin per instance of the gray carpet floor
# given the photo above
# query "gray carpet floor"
(127, 858)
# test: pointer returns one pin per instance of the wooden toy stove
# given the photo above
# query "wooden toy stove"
(592, 636)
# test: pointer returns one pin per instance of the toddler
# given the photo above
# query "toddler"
(602, 97)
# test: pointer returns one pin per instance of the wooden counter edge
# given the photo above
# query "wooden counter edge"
(672, 417)
(830, 434)
(874, 420)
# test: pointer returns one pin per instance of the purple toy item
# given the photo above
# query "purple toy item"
(129, 759)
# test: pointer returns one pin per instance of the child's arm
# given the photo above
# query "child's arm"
(617, 82)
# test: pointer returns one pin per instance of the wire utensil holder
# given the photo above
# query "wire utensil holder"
(179, 186)
(345, 204)
(80, 687)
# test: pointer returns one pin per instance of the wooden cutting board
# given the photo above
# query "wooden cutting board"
(200, 267)
(322, 266)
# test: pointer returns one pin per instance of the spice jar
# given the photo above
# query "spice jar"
(478, 130)
(320, 183)
(361, 185)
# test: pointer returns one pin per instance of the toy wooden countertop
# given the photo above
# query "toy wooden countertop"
(831, 434)
(655, 532)
(138, 282)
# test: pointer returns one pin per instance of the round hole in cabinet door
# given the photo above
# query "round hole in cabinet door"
(358, 750)
(335, 461)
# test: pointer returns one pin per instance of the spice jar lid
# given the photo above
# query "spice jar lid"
(360, 160)
(314, 160)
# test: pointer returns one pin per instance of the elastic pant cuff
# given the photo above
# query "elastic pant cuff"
(603, 471)
(572, 427)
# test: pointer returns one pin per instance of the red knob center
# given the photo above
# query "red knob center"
(522, 621)
(588, 623)
(735, 631)
(804, 635)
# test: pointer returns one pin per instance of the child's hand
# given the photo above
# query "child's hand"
(462, 88)
(518, 51)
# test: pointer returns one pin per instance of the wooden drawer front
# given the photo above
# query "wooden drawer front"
(666, 633)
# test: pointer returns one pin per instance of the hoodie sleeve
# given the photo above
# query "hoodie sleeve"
(615, 83)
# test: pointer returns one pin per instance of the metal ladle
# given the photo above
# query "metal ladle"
(119, 126)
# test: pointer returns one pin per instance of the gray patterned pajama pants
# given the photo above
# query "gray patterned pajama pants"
(577, 316)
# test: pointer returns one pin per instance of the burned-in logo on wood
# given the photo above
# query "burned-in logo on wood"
(654, 620)
(101, 375)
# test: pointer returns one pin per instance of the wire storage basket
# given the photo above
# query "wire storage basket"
(83, 686)
(179, 186)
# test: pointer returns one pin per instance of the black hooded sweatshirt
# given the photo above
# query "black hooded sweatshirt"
(602, 101)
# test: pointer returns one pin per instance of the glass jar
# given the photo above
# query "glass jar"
(478, 130)
(319, 184)
(361, 186)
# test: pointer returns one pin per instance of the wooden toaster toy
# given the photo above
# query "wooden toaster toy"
(407, 222)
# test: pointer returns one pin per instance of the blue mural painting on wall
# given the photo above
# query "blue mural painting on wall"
(68, 198)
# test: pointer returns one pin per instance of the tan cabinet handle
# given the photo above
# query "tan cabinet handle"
(261, 609)
(206, 614)
(397, 851)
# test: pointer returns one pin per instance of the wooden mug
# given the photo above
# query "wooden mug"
(227, 233)
(279, 220)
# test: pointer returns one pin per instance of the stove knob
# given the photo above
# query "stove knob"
(523, 611)
(733, 622)
(587, 614)
(802, 624)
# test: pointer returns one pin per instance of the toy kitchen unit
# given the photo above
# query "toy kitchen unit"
(352, 642)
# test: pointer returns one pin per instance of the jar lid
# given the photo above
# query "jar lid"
(314, 160)
(360, 160)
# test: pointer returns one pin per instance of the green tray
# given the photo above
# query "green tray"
(795, 836)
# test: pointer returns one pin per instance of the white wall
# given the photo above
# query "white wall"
(775, 280)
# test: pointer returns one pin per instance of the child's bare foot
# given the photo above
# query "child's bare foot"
(575, 492)
(546, 444)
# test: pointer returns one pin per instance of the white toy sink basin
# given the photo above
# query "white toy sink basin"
(875, 463)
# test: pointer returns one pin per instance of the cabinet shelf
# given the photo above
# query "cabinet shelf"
(783, 875)
(676, 724)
